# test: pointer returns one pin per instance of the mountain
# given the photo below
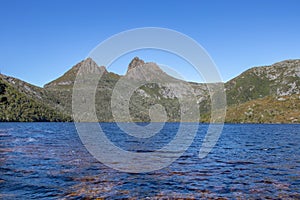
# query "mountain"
(267, 94)
(143, 98)
(62, 87)
(270, 82)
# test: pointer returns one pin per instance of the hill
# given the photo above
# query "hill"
(279, 79)
(20, 101)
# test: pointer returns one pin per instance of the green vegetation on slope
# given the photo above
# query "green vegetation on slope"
(279, 79)
(270, 109)
(246, 87)
(17, 106)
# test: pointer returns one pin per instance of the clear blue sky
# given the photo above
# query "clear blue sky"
(40, 40)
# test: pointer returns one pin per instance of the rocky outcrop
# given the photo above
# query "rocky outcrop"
(136, 61)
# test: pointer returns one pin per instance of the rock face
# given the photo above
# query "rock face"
(136, 61)
(147, 72)
(258, 95)
(68, 78)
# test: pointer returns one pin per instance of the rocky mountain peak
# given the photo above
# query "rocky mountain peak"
(136, 61)
(87, 66)
(90, 66)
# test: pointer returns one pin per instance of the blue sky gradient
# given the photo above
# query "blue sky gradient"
(42, 39)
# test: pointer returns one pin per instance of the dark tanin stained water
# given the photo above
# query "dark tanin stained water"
(47, 160)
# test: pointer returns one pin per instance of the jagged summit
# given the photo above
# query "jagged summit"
(88, 65)
(141, 70)
(136, 61)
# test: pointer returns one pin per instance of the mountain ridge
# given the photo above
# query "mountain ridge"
(271, 82)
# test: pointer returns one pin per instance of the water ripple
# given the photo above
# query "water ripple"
(48, 161)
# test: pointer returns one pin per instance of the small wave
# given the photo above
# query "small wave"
(48, 131)
(4, 134)
(239, 162)
(31, 139)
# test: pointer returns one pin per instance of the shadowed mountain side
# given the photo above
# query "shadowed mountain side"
(20, 101)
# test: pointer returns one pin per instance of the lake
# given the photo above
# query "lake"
(249, 161)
